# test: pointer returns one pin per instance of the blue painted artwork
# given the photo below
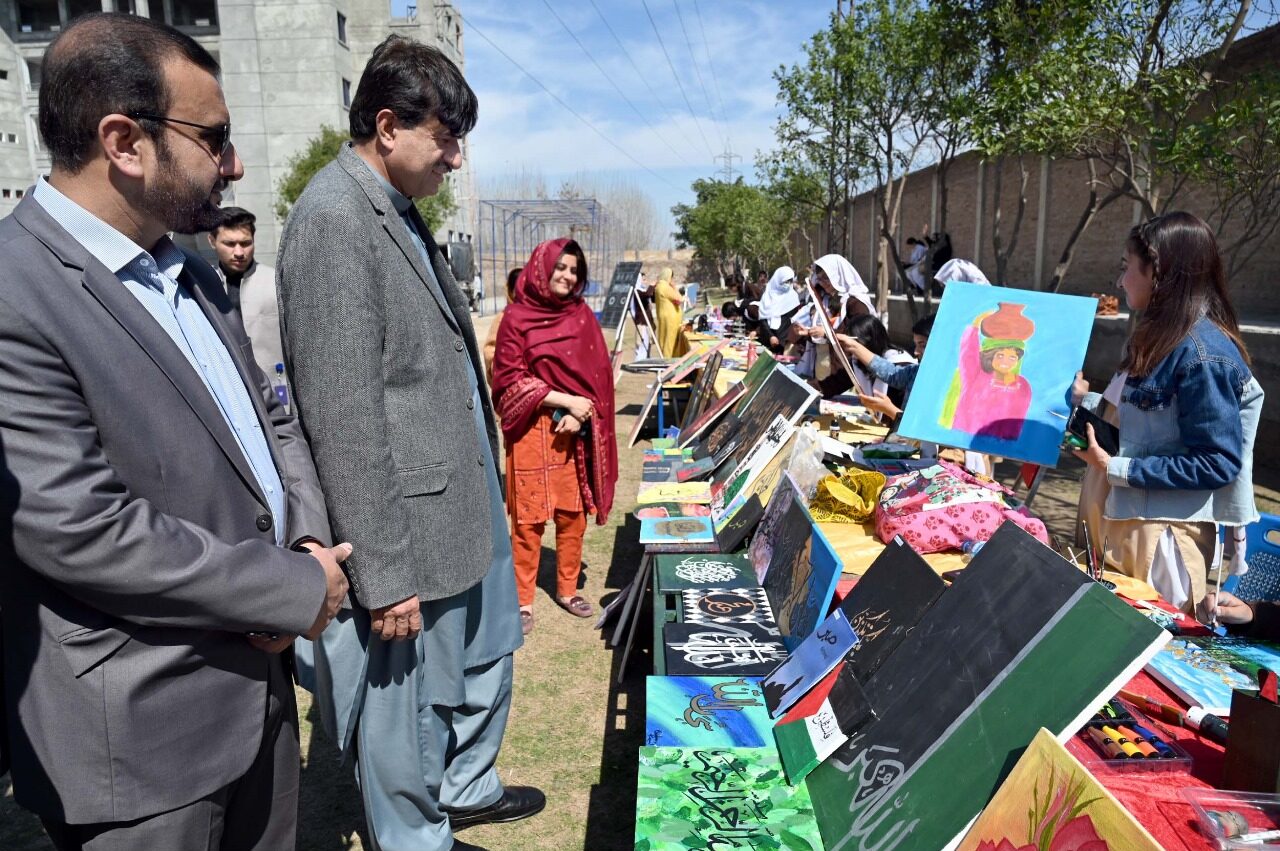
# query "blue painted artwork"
(1202, 676)
(706, 712)
(802, 575)
(997, 372)
(676, 530)
(813, 659)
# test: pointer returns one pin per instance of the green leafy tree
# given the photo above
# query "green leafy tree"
(732, 220)
(322, 150)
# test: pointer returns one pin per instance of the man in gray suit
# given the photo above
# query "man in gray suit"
(155, 499)
(387, 382)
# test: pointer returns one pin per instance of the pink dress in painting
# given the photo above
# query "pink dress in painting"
(988, 406)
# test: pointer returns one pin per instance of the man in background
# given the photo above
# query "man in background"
(251, 288)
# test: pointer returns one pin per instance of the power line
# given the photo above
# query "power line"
(688, 42)
(715, 79)
(566, 106)
(634, 66)
(616, 88)
(679, 84)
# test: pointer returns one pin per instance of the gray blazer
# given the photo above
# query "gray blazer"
(136, 548)
(379, 371)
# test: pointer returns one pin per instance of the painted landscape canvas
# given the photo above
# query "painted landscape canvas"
(707, 570)
(720, 798)
(1202, 674)
(997, 374)
(1050, 801)
(706, 712)
(997, 657)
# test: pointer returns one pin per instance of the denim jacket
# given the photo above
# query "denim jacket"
(1186, 436)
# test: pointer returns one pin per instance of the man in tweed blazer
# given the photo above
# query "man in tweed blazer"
(416, 677)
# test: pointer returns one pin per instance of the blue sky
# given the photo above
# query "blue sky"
(664, 147)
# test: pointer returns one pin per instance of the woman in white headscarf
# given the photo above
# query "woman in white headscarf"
(777, 305)
(960, 270)
(841, 293)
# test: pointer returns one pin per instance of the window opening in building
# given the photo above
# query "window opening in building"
(5, 193)
(76, 8)
(38, 16)
(342, 28)
(195, 13)
(346, 93)
(17, 193)
(4, 73)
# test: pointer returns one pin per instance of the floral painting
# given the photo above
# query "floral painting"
(1050, 802)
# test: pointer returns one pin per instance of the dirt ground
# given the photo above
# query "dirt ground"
(572, 732)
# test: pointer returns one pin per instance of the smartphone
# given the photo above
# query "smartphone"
(1107, 435)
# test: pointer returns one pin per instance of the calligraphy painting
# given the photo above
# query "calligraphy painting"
(726, 605)
(737, 522)
(996, 376)
(706, 712)
(997, 657)
(721, 649)
(651, 492)
(812, 659)
(709, 570)
(1050, 802)
(802, 576)
(720, 798)
(782, 394)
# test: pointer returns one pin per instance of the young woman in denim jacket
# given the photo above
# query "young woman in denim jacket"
(1187, 406)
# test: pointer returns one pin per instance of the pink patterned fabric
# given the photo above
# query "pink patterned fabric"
(943, 506)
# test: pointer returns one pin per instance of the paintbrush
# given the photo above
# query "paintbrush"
(1088, 550)
(1102, 561)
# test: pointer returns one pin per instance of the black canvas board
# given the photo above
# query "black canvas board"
(721, 435)
(986, 619)
(729, 650)
(726, 605)
(789, 566)
(732, 535)
(631, 606)
(781, 394)
(850, 704)
(624, 279)
(886, 603)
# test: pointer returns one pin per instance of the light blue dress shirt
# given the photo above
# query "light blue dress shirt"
(153, 281)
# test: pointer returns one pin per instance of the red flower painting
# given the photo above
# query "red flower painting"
(1057, 822)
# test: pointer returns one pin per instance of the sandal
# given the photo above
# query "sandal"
(576, 605)
(526, 621)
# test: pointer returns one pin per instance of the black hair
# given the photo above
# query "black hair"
(415, 81)
(234, 218)
(986, 358)
(102, 64)
(512, 277)
(730, 309)
(869, 331)
(924, 325)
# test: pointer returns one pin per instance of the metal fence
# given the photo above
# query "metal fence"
(509, 230)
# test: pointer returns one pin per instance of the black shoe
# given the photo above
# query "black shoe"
(459, 845)
(517, 802)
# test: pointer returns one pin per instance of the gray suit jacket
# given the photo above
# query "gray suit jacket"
(379, 371)
(136, 547)
(261, 314)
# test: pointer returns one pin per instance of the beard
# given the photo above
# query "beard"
(175, 199)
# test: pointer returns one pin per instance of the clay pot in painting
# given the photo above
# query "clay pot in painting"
(1008, 323)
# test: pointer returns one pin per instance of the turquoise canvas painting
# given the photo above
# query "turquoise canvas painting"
(997, 372)
(706, 712)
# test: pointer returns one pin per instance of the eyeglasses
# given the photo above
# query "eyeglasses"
(217, 136)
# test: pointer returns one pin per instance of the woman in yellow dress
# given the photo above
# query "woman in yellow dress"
(670, 313)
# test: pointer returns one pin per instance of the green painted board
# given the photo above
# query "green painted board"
(683, 571)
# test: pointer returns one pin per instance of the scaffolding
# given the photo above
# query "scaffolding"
(509, 230)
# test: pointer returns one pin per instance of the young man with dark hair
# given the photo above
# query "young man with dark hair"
(157, 501)
(388, 382)
(251, 288)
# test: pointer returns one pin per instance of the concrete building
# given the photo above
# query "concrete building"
(289, 67)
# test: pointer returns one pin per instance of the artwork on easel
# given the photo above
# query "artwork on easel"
(1012, 622)
(706, 712)
(701, 649)
(720, 798)
(726, 605)
(703, 391)
(811, 660)
(1051, 801)
(997, 375)
(680, 369)
(782, 394)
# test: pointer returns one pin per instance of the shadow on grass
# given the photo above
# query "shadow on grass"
(19, 829)
(330, 811)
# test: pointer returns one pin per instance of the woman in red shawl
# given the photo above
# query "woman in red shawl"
(553, 388)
